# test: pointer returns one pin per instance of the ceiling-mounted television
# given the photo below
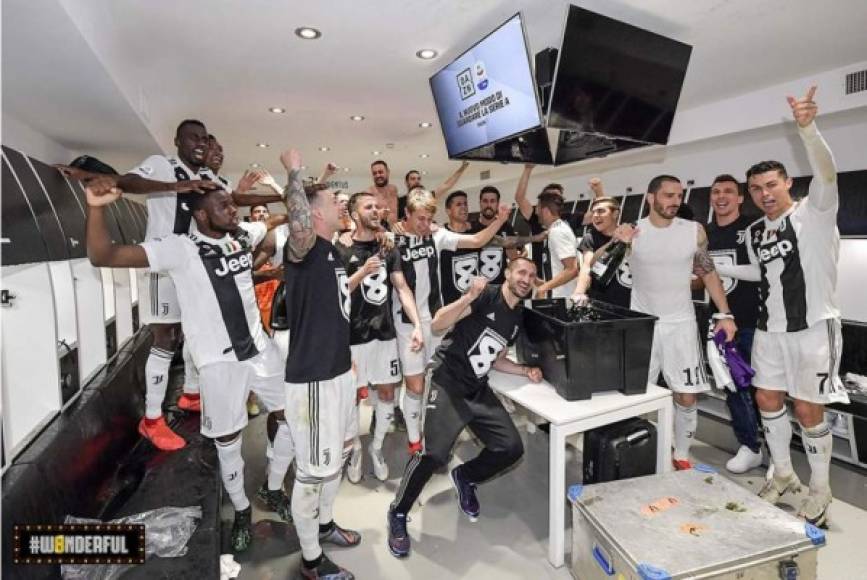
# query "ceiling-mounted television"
(616, 79)
(529, 147)
(488, 93)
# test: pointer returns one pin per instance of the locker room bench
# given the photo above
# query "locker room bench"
(91, 462)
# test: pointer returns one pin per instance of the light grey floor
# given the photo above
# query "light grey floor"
(509, 540)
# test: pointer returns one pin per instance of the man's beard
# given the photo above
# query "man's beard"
(513, 288)
(380, 182)
(488, 213)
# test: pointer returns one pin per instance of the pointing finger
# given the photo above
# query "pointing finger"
(811, 93)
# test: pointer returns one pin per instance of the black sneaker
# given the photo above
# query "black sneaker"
(398, 538)
(340, 536)
(467, 499)
(242, 530)
(277, 501)
(325, 570)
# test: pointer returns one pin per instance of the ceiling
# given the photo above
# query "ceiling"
(134, 68)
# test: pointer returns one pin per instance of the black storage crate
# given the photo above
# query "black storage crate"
(580, 357)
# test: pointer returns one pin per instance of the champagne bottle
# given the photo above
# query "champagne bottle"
(606, 265)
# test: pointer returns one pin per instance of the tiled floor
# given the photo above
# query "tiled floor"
(509, 540)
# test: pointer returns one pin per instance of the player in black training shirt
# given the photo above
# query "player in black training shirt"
(320, 389)
(604, 212)
(374, 272)
(486, 320)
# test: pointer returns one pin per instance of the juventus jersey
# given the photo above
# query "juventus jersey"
(371, 313)
(457, 269)
(209, 175)
(469, 350)
(318, 304)
(541, 256)
(619, 290)
(214, 283)
(492, 260)
(727, 245)
(419, 260)
(168, 212)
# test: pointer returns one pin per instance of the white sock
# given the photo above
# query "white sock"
(326, 499)
(685, 423)
(817, 443)
(372, 397)
(191, 373)
(282, 454)
(157, 377)
(232, 470)
(778, 435)
(305, 515)
(412, 415)
(384, 411)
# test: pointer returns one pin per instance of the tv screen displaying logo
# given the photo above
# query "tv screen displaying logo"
(488, 93)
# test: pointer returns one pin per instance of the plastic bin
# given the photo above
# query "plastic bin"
(581, 357)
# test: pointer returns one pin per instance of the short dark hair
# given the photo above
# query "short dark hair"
(516, 259)
(490, 189)
(727, 178)
(93, 165)
(311, 190)
(765, 166)
(211, 137)
(657, 182)
(450, 199)
(186, 122)
(551, 200)
(553, 187)
(252, 208)
(197, 202)
(609, 201)
(353, 200)
(379, 162)
(410, 172)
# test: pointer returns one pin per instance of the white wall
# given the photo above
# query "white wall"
(22, 137)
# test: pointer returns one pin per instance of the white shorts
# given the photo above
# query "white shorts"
(281, 340)
(678, 354)
(805, 364)
(158, 300)
(415, 363)
(376, 362)
(225, 387)
(320, 418)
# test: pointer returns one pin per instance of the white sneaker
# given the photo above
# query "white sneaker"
(744, 460)
(353, 470)
(380, 467)
(815, 508)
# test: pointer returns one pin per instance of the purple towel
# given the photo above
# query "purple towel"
(742, 373)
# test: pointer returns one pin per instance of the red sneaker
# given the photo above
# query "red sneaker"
(191, 402)
(157, 432)
(414, 447)
(681, 464)
(363, 392)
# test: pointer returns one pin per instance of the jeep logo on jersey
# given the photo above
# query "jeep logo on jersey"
(490, 262)
(779, 250)
(234, 265)
(485, 351)
(418, 253)
(463, 270)
(343, 292)
(373, 287)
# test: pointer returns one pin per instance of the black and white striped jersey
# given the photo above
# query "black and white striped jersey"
(419, 260)
(168, 212)
(371, 312)
(214, 283)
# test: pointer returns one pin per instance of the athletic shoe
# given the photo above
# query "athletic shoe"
(253, 409)
(681, 464)
(340, 537)
(776, 487)
(744, 460)
(815, 508)
(277, 501)
(353, 470)
(190, 403)
(467, 499)
(398, 538)
(158, 432)
(380, 467)
(398, 421)
(414, 447)
(326, 570)
(242, 530)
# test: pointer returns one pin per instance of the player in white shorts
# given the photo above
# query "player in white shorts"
(665, 252)
(376, 280)
(211, 269)
(794, 251)
(419, 250)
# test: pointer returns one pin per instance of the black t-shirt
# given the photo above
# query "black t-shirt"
(467, 353)
(541, 256)
(727, 244)
(318, 304)
(371, 315)
(457, 269)
(492, 260)
(619, 290)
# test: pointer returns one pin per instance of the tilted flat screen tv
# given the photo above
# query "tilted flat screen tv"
(616, 79)
(488, 93)
(529, 147)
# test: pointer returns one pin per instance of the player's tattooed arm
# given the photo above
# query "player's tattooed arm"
(702, 264)
(298, 214)
(511, 242)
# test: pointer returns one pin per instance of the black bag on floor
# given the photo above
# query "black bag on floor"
(620, 451)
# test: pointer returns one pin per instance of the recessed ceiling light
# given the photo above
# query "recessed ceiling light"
(303, 167)
(424, 155)
(255, 165)
(425, 125)
(262, 145)
(346, 170)
(424, 172)
(357, 118)
(374, 152)
(427, 54)
(277, 110)
(307, 33)
(324, 148)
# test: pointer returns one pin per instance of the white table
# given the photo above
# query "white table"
(571, 417)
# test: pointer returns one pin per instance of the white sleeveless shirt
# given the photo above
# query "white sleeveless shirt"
(661, 264)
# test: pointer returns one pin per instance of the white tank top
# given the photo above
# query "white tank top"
(661, 265)
(281, 235)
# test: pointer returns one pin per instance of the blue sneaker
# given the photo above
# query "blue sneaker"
(467, 499)
(398, 538)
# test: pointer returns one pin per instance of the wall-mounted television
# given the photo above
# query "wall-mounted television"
(616, 79)
(488, 93)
